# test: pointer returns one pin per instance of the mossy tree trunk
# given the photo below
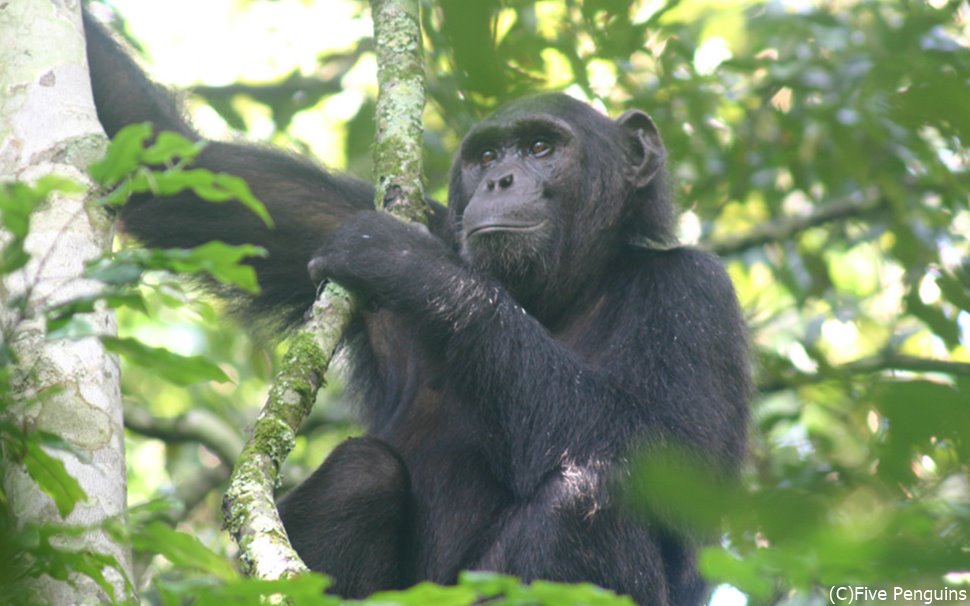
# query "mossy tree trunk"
(249, 508)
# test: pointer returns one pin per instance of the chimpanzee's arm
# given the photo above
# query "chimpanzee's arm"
(672, 368)
(306, 202)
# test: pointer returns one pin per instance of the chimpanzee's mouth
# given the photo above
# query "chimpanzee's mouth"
(503, 226)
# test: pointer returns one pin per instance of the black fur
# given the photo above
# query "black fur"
(509, 364)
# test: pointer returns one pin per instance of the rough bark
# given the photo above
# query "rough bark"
(398, 146)
(71, 389)
(250, 512)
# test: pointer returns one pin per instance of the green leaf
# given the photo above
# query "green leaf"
(181, 370)
(13, 257)
(169, 146)
(60, 315)
(212, 187)
(123, 156)
(473, 587)
(181, 549)
(918, 413)
(52, 477)
(935, 99)
(119, 195)
(52, 441)
(240, 191)
(18, 202)
(117, 271)
(715, 563)
(75, 327)
(551, 594)
(127, 156)
(199, 180)
(428, 593)
(50, 557)
(221, 261)
(489, 583)
(306, 590)
(677, 488)
(954, 291)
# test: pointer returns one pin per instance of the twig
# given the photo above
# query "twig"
(888, 361)
(194, 426)
(783, 229)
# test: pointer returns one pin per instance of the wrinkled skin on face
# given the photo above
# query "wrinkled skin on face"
(535, 201)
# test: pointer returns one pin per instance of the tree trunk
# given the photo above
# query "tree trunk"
(68, 388)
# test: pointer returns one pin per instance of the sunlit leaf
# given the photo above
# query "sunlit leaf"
(181, 549)
(223, 262)
(168, 147)
(18, 202)
(123, 155)
(181, 370)
(52, 477)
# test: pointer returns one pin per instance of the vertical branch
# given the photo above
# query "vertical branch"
(400, 103)
(249, 508)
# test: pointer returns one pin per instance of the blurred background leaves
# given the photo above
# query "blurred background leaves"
(821, 147)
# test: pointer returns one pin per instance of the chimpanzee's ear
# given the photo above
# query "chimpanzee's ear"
(646, 149)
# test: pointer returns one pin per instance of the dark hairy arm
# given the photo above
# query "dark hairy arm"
(305, 201)
(546, 400)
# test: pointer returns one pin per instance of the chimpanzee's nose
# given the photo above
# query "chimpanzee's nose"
(503, 182)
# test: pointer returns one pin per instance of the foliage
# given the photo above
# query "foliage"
(34, 550)
(203, 576)
(820, 147)
(18, 202)
(823, 150)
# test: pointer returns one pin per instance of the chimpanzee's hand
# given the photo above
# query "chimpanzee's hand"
(383, 258)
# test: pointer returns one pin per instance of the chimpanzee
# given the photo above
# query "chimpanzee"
(512, 357)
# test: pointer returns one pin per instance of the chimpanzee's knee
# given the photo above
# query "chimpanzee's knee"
(351, 519)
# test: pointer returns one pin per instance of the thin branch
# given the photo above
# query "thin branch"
(249, 509)
(914, 364)
(293, 87)
(194, 426)
(291, 95)
(195, 489)
(885, 362)
(785, 228)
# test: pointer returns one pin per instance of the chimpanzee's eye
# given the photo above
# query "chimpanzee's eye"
(488, 156)
(540, 148)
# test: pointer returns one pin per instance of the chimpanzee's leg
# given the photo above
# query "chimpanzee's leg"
(351, 519)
